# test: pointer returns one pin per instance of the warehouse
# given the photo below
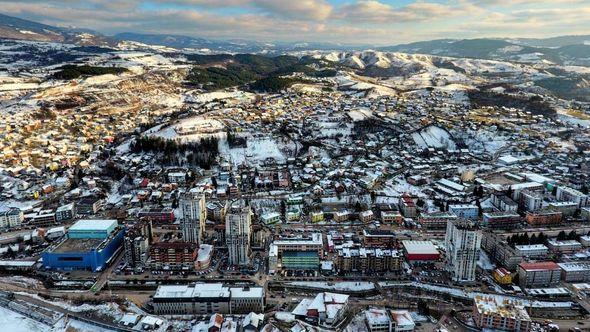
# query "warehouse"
(89, 245)
(420, 251)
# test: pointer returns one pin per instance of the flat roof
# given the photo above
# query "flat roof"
(531, 247)
(77, 245)
(247, 292)
(93, 225)
(420, 247)
(539, 266)
(574, 266)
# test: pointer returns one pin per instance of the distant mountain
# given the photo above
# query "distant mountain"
(555, 41)
(182, 42)
(519, 50)
(16, 28)
(234, 46)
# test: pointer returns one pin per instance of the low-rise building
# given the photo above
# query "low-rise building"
(502, 276)
(496, 313)
(326, 309)
(436, 220)
(466, 211)
(532, 251)
(541, 274)
(575, 272)
(368, 260)
(420, 251)
(543, 217)
(501, 220)
(564, 247)
(202, 298)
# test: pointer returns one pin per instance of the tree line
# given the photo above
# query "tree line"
(202, 153)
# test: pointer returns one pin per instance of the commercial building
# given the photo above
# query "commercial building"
(204, 257)
(575, 272)
(173, 255)
(194, 216)
(462, 240)
(89, 245)
(542, 274)
(202, 298)
(238, 229)
(465, 211)
(420, 251)
(368, 260)
(92, 229)
(299, 253)
(498, 313)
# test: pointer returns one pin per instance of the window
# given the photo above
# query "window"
(70, 259)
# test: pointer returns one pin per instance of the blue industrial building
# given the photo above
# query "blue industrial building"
(89, 245)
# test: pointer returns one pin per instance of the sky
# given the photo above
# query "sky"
(361, 22)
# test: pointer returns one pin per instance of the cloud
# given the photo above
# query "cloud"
(354, 21)
(373, 11)
(299, 9)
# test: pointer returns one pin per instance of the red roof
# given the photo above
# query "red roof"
(539, 266)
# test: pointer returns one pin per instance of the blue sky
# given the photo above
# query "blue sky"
(378, 22)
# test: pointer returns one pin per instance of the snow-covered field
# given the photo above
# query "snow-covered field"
(434, 137)
(11, 321)
(256, 150)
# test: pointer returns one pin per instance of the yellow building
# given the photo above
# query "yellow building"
(502, 276)
(317, 216)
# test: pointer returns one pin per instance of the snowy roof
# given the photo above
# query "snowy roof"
(377, 317)
(247, 292)
(525, 247)
(574, 266)
(402, 318)
(93, 225)
(419, 247)
(204, 252)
